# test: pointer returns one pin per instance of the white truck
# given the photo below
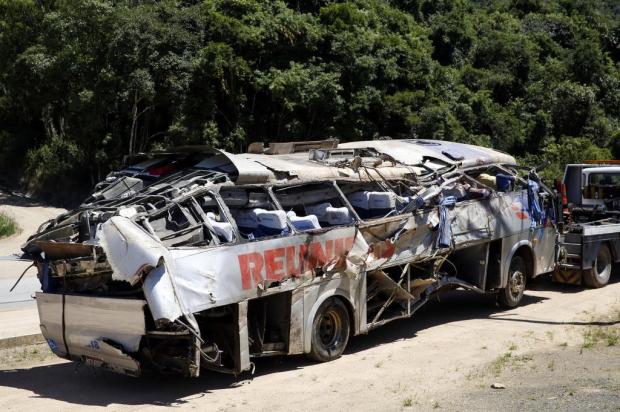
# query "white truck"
(590, 239)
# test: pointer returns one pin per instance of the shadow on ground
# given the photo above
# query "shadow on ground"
(11, 199)
(544, 283)
(83, 386)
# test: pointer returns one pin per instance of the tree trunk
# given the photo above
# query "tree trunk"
(134, 123)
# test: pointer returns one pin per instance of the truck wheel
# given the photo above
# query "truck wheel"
(330, 331)
(511, 295)
(599, 275)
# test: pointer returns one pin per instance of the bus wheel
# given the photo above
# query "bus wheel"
(599, 275)
(330, 330)
(511, 295)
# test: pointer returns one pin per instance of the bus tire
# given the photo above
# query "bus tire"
(330, 330)
(511, 295)
(598, 276)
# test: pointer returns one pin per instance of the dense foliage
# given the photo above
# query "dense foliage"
(85, 82)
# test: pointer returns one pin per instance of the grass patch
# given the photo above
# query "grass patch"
(589, 339)
(612, 340)
(593, 336)
(408, 403)
(500, 363)
(23, 355)
(8, 226)
(508, 359)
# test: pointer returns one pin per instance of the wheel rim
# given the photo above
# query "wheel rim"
(603, 266)
(330, 328)
(517, 283)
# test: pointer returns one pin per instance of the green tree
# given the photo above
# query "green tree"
(85, 82)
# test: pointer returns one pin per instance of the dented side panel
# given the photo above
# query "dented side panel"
(296, 330)
(97, 331)
(396, 240)
(220, 276)
(242, 358)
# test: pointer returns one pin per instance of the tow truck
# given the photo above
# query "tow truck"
(589, 239)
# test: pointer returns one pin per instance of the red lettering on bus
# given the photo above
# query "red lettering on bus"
(251, 265)
(316, 255)
(278, 263)
(293, 261)
(274, 263)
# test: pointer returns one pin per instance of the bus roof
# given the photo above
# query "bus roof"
(408, 157)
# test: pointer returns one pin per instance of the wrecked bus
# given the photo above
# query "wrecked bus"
(288, 249)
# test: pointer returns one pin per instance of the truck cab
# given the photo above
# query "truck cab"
(592, 190)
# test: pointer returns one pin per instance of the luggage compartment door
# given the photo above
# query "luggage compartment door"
(97, 331)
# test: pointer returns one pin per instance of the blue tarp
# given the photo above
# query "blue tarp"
(444, 237)
(536, 213)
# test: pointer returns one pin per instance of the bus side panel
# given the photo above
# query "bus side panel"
(315, 294)
(544, 240)
(296, 330)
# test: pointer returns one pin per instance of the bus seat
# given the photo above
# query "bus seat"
(247, 221)
(372, 204)
(338, 216)
(303, 223)
(319, 210)
(271, 222)
(224, 230)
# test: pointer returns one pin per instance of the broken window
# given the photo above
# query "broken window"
(314, 206)
(255, 213)
(374, 200)
(196, 220)
(176, 225)
(216, 219)
(493, 177)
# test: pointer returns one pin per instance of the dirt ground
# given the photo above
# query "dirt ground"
(560, 350)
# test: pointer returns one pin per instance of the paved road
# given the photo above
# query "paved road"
(29, 215)
(22, 295)
(18, 311)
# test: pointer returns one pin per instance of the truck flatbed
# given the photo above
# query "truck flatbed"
(587, 252)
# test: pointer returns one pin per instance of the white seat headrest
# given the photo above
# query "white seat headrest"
(304, 222)
(223, 229)
(372, 200)
(381, 200)
(272, 219)
(338, 216)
